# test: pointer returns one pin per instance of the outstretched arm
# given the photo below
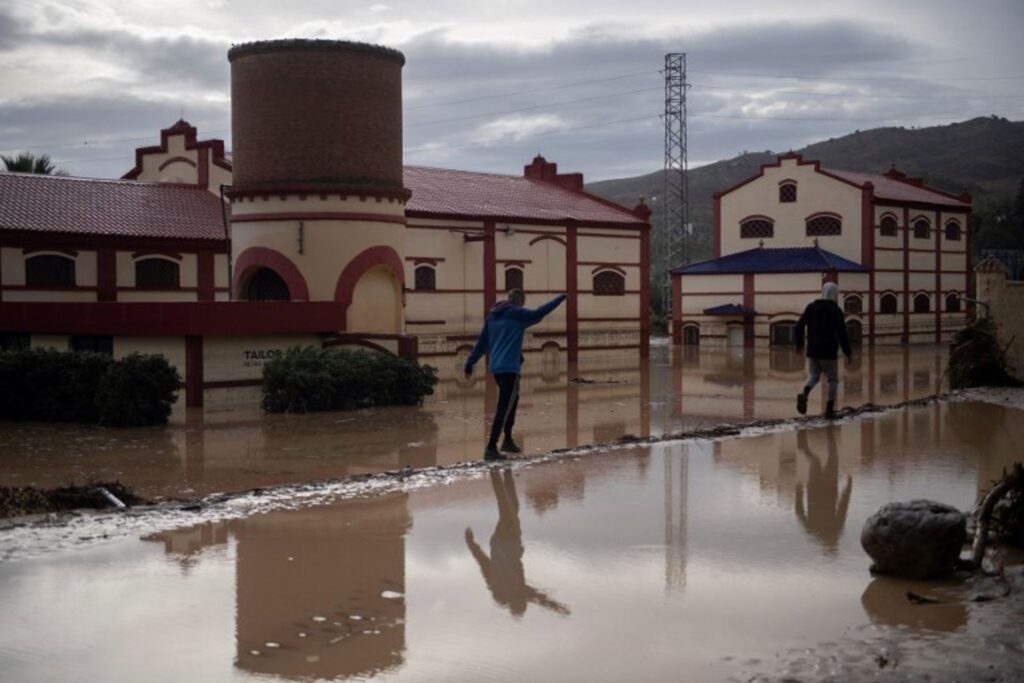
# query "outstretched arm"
(532, 316)
(479, 349)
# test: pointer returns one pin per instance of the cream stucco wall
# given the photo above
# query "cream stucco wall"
(816, 193)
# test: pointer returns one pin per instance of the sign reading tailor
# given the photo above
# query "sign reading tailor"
(256, 358)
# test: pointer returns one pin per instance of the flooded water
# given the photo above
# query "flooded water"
(230, 445)
(697, 561)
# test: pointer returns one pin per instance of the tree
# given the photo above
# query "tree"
(27, 162)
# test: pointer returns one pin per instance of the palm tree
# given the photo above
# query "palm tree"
(26, 162)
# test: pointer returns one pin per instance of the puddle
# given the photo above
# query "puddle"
(737, 559)
(232, 446)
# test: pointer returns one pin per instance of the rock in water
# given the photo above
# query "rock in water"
(921, 539)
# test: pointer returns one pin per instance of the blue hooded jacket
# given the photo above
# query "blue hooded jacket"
(502, 336)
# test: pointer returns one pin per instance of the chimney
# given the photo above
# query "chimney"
(542, 169)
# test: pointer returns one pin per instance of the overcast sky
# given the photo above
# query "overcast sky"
(489, 84)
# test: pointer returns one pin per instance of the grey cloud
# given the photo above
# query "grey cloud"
(12, 31)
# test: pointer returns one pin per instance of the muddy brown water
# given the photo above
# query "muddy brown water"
(230, 445)
(730, 560)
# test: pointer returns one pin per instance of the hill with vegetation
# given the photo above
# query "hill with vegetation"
(983, 156)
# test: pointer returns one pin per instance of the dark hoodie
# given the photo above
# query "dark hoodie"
(826, 330)
(502, 336)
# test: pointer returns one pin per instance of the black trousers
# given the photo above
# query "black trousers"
(508, 401)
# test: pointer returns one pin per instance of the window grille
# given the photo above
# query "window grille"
(887, 226)
(426, 278)
(157, 272)
(49, 271)
(609, 283)
(823, 226)
(757, 228)
(922, 304)
(266, 285)
(922, 229)
(853, 304)
(952, 303)
(513, 278)
(888, 304)
(953, 231)
(787, 193)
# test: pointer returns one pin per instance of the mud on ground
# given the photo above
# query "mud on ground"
(31, 500)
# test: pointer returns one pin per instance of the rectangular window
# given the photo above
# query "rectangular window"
(97, 343)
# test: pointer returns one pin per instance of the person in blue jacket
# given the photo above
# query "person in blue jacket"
(502, 340)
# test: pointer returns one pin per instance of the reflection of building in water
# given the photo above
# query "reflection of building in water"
(762, 383)
(503, 570)
(824, 513)
(677, 485)
(320, 593)
(885, 602)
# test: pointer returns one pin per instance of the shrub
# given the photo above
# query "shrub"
(68, 386)
(307, 379)
(137, 390)
(977, 360)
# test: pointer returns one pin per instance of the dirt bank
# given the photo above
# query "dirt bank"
(31, 500)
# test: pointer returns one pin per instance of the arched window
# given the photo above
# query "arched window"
(922, 303)
(853, 304)
(787, 193)
(754, 228)
(953, 230)
(819, 226)
(266, 285)
(157, 273)
(782, 333)
(426, 278)
(922, 228)
(691, 335)
(49, 270)
(513, 278)
(887, 226)
(953, 303)
(609, 283)
(888, 304)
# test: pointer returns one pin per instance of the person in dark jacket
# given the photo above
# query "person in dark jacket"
(826, 333)
(502, 340)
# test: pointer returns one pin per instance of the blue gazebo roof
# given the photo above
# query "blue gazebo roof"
(780, 260)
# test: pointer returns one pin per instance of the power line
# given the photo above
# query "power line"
(854, 78)
(534, 90)
(813, 93)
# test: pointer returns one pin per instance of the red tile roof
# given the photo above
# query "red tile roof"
(94, 206)
(899, 190)
(464, 193)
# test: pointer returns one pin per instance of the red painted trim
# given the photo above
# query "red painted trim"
(607, 266)
(317, 216)
(823, 214)
(424, 260)
(514, 262)
(716, 201)
(612, 225)
(923, 251)
(968, 280)
(867, 223)
(490, 269)
(51, 288)
(757, 217)
(106, 275)
(43, 241)
(630, 319)
(70, 253)
(213, 146)
(174, 160)
(619, 264)
(254, 258)
(206, 275)
(344, 191)
(171, 319)
(572, 290)
(193, 371)
(367, 259)
(426, 322)
(871, 308)
(174, 256)
(448, 291)
(778, 163)
(541, 238)
(614, 237)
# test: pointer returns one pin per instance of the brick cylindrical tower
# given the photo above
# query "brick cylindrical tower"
(316, 111)
(317, 201)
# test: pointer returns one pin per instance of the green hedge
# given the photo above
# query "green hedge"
(307, 379)
(80, 386)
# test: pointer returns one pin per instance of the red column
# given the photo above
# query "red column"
(106, 275)
(906, 275)
(645, 291)
(490, 268)
(194, 371)
(748, 301)
(938, 278)
(572, 323)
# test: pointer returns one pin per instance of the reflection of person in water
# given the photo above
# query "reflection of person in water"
(822, 516)
(503, 570)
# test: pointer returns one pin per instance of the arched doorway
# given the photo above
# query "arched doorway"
(691, 335)
(266, 285)
(782, 333)
(376, 303)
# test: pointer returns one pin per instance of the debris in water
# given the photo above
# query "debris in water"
(921, 599)
(319, 618)
(254, 652)
(392, 595)
(271, 644)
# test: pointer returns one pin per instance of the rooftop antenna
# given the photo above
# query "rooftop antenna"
(676, 195)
